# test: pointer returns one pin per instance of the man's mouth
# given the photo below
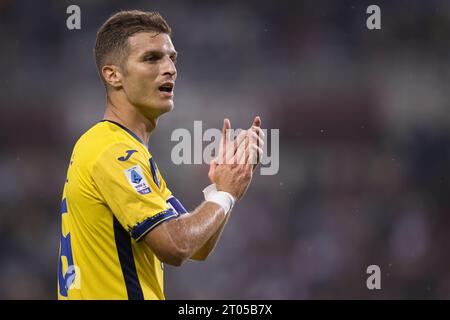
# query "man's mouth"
(166, 87)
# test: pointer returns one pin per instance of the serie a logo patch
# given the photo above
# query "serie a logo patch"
(136, 178)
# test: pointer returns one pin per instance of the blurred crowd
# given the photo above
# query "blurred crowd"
(364, 142)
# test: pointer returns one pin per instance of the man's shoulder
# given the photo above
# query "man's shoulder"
(92, 141)
(105, 140)
(95, 141)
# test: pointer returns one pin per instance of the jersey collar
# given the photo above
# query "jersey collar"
(126, 129)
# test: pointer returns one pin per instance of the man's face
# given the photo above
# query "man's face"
(150, 73)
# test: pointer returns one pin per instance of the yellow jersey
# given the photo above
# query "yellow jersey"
(113, 196)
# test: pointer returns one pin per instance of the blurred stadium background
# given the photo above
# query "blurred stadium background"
(364, 142)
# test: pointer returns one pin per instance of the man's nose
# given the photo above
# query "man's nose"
(168, 67)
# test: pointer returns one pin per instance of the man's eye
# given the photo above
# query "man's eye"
(151, 58)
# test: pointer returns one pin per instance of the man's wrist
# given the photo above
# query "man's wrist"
(222, 198)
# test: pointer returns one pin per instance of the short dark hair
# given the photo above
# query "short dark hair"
(111, 43)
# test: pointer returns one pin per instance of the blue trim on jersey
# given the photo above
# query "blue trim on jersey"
(140, 230)
(154, 171)
(126, 258)
(64, 206)
(65, 280)
(176, 204)
(65, 247)
(127, 130)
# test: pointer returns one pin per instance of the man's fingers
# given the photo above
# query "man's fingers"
(233, 151)
(225, 129)
(234, 145)
(240, 138)
(249, 153)
(258, 131)
(242, 151)
(225, 133)
(255, 154)
(255, 138)
(260, 141)
(257, 122)
(249, 148)
(257, 147)
(224, 141)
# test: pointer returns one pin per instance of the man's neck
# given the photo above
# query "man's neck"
(129, 116)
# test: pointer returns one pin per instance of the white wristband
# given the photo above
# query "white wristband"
(222, 198)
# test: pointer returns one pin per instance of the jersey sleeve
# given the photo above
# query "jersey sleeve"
(124, 179)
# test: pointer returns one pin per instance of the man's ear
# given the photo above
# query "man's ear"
(112, 75)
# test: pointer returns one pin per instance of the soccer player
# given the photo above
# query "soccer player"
(120, 221)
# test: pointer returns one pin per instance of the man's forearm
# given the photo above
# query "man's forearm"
(193, 231)
(210, 244)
